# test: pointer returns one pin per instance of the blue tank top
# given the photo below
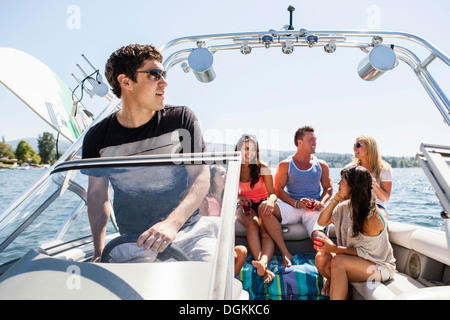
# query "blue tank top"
(304, 183)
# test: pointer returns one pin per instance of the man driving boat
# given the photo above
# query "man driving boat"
(145, 125)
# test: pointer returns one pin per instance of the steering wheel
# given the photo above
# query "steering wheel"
(172, 251)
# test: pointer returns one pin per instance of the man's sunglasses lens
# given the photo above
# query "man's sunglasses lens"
(157, 73)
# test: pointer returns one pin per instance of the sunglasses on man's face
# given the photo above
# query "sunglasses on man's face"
(154, 74)
(358, 145)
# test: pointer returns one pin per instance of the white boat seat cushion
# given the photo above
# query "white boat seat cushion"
(401, 284)
(291, 232)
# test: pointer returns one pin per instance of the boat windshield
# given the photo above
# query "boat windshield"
(137, 192)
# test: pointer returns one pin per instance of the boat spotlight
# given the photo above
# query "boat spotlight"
(381, 59)
(312, 40)
(200, 61)
(330, 47)
(246, 49)
(267, 40)
(185, 67)
(288, 48)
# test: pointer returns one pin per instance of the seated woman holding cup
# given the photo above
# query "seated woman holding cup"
(256, 197)
(363, 251)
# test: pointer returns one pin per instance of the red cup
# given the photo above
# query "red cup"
(318, 242)
(311, 204)
(247, 207)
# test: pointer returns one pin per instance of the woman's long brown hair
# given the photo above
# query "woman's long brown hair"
(359, 180)
(255, 164)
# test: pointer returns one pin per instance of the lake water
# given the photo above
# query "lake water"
(412, 201)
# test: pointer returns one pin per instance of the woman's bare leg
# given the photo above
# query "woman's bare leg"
(345, 269)
(251, 223)
(323, 264)
(240, 254)
(267, 249)
(273, 227)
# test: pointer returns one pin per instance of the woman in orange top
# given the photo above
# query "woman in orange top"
(256, 197)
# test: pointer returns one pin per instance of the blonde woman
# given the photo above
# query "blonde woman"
(366, 154)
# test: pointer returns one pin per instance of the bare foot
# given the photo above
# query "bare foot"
(326, 287)
(260, 267)
(268, 276)
(286, 260)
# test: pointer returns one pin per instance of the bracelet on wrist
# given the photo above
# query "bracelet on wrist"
(334, 200)
(295, 204)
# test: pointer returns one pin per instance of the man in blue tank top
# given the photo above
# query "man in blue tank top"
(298, 183)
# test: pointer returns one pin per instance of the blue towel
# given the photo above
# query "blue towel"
(301, 281)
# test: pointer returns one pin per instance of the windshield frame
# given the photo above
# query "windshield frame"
(129, 161)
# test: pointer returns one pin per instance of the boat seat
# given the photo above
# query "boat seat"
(291, 232)
(401, 284)
(431, 248)
(401, 287)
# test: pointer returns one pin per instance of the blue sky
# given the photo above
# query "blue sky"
(267, 92)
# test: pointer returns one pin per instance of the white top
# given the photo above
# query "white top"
(385, 176)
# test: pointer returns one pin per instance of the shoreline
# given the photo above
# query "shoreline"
(23, 167)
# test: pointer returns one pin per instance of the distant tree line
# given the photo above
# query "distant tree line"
(24, 153)
(335, 160)
(47, 154)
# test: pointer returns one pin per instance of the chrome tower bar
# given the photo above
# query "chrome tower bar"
(365, 40)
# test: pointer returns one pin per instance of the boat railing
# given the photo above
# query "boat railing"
(197, 55)
(435, 162)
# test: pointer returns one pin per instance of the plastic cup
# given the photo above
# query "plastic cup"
(311, 204)
(247, 207)
(318, 242)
